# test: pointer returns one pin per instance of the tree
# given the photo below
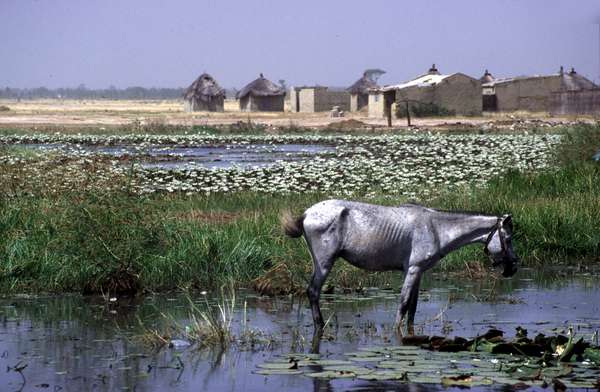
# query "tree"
(373, 74)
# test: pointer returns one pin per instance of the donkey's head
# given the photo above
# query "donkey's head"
(498, 246)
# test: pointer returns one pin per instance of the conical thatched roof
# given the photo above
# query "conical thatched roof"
(261, 87)
(204, 89)
(362, 85)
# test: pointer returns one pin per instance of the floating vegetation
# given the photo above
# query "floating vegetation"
(484, 360)
(391, 164)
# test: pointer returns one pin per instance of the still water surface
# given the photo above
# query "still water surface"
(75, 343)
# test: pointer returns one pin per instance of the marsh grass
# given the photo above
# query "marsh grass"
(556, 211)
(578, 144)
(116, 242)
(209, 324)
(119, 243)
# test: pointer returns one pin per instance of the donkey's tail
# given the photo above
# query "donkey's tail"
(292, 226)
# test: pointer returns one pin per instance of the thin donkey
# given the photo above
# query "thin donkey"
(409, 238)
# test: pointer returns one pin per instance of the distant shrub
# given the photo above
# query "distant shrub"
(423, 110)
(4, 108)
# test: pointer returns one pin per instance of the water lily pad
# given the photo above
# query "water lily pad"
(302, 356)
(273, 372)
(394, 364)
(374, 349)
(403, 348)
(367, 359)
(329, 362)
(362, 354)
(424, 379)
(278, 365)
(490, 374)
(382, 375)
(504, 380)
(358, 370)
(554, 372)
(582, 384)
(331, 374)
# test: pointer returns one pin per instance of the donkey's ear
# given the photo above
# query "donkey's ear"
(507, 221)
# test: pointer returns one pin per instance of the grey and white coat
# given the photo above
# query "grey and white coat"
(409, 238)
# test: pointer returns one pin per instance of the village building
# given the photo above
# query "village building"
(456, 93)
(487, 77)
(311, 99)
(261, 95)
(204, 94)
(531, 93)
(359, 93)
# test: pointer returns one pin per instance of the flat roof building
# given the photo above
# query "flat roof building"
(531, 93)
(455, 93)
(311, 99)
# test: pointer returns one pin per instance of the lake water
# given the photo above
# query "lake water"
(209, 156)
(76, 343)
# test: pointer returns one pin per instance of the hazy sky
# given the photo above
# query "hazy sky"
(58, 43)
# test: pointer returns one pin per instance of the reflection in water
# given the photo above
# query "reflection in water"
(75, 343)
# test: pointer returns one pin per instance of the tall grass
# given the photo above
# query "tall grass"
(556, 212)
(117, 242)
(122, 243)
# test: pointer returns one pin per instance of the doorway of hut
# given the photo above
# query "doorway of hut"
(489, 103)
(389, 97)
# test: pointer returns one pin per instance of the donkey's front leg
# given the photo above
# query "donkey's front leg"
(408, 297)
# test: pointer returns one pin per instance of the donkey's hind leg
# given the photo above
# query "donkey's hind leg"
(322, 232)
(323, 258)
(321, 268)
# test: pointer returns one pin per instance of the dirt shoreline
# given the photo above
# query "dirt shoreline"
(113, 113)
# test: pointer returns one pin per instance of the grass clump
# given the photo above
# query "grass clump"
(209, 324)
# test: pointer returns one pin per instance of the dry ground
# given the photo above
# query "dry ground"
(112, 113)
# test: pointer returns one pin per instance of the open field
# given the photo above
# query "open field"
(113, 114)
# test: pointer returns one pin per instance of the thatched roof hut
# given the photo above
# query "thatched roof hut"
(359, 92)
(261, 95)
(362, 86)
(204, 94)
